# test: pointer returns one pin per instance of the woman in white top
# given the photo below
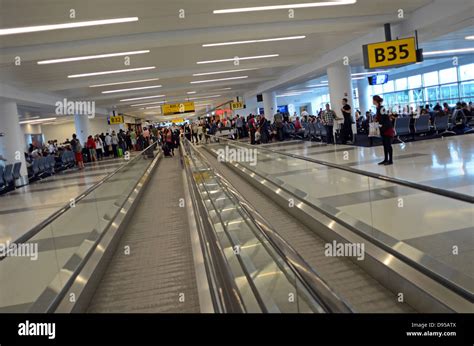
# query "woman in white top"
(99, 147)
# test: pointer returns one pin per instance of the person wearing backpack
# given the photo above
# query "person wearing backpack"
(77, 150)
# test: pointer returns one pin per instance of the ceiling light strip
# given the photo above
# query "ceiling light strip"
(218, 80)
(111, 72)
(128, 82)
(142, 98)
(239, 59)
(254, 41)
(131, 89)
(286, 7)
(223, 72)
(38, 28)
(90, 57)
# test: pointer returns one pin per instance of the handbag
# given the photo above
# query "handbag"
(374, 130)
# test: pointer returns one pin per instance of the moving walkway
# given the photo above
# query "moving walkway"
(294, 194)
(161, 235)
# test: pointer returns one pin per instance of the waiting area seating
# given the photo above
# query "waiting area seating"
(40, 168)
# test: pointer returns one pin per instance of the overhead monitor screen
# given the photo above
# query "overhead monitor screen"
(378, 79)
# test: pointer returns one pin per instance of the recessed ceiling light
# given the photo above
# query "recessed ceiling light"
(128, 82)
(191, 92)
(358, 78)
(149, 103)
(90, 57)
(203, 97)
(142, 98)
(218, 80)
(154, 107)
(131, 89)
(469, 37)
(239, 58)
(316, 85)
(111, 72)
(222, 72)
(439, 52)
(36, 121)
(254, 41)
(286, 7)
(37, 28)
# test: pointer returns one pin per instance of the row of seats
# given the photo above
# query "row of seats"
(314, 131)
(47, 165)
(8, 175)
(40, 168)
(421, 126)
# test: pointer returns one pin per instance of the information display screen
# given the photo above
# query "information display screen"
(378, 79)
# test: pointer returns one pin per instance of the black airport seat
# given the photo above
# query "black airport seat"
(422, 124)
(402, 127)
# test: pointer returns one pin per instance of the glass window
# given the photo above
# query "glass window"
(449, 75)
(431, 78)
(414, 82)
(467, 90)
(401, 84)
(432, 94)
(449, 92)
(389, 87)
(466, 72)
(377, 89)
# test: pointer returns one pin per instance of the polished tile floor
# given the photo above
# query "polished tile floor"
(430, 223)
(24, 208)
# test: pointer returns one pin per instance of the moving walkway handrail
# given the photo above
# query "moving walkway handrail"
(426, 188)
(36, 229)
(458, 286)
(317, 287)
(225, 294)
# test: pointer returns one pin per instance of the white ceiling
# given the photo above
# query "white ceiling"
(175, 44)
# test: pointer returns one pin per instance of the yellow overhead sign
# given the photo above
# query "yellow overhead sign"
(237, 105)
(116, 120)
(177, 121)
(390, 53)
(178, 108)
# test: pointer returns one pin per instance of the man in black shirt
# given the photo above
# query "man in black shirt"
(346, 133)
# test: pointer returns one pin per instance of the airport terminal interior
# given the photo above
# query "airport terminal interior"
(218, 156)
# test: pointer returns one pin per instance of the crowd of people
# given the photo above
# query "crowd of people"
(96, 147)
(257, 128)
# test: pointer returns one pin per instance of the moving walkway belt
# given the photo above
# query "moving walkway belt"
(158, 274)
(347, 279)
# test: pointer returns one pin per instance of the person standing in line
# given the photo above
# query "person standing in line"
(252, 129)
(328, 120)
(77, 150)
(108, 144)
(99, 147)
(92, 149)
(239, 123)
(115, 142)
(347, 134)
(133, 139)
(386, 130)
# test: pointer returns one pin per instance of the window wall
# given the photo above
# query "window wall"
(449, 85)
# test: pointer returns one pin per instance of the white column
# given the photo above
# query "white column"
(12, 142)
(340, 86)
(82, 127)
(270, 104)
(364, 95)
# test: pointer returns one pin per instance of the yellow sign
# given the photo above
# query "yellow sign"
(177, 121)
(178, 108)
(390, 53)
(237, 105)
(116, 120)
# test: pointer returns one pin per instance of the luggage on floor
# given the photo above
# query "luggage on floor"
(120, 152)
